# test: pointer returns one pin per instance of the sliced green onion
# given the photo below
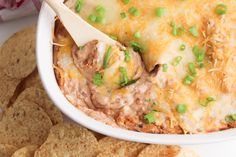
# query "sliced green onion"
(180, 30)
(114, 37)
(182, 47)
(150, 117)
(188, 80)
(198, 51)
(134, 11)
(123, 15)
(97, 79)
(192, 68)
(221, 9)
(230, 118)
(92, 18)
(124, 77)
(193, 30)
(100, 19)
(78, 6)
(199, 54)
(177, 31)
(207, 101)
(201, 65)
(174, 29)
(164, 67)
(129, 83)
(160, 12)
(81, 47)
(126, 1)
(107, 57)
(137, 35)
(200, 57)
(176, 60)
(137, 47)
(181, 108)
(148, 100)
(233, 117)
(210, 99)
(127, 56)
(97, 19)
(100, 10)
(202, 103)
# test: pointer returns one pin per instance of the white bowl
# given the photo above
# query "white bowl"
(45, 67)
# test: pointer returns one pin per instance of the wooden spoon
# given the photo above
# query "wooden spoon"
(79, 29)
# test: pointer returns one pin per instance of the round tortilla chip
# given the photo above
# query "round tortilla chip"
(113, 147)
(27, 151)
(33, 80)
(7, 150)
(108, 143)
(68, 140)
(24, 123)
(17, 56)
(7, 88)
(40, 97)
(160, 151)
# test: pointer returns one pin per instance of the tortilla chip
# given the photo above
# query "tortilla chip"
(7, 150)
(17, 56)
(160, 151)
(27, 151)
(68, 140)
(24, 123)
(33, 80)
(40, 97)
(113, 147)
(108, 143)
(7, 88)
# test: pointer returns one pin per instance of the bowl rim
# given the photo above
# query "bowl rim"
(46, 72)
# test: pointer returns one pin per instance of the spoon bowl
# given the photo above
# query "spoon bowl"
(76, 26)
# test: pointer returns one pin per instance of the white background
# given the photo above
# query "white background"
(224, 149)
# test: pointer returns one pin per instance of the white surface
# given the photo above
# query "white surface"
(223, 149)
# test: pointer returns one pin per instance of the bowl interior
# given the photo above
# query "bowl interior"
(45, 67)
